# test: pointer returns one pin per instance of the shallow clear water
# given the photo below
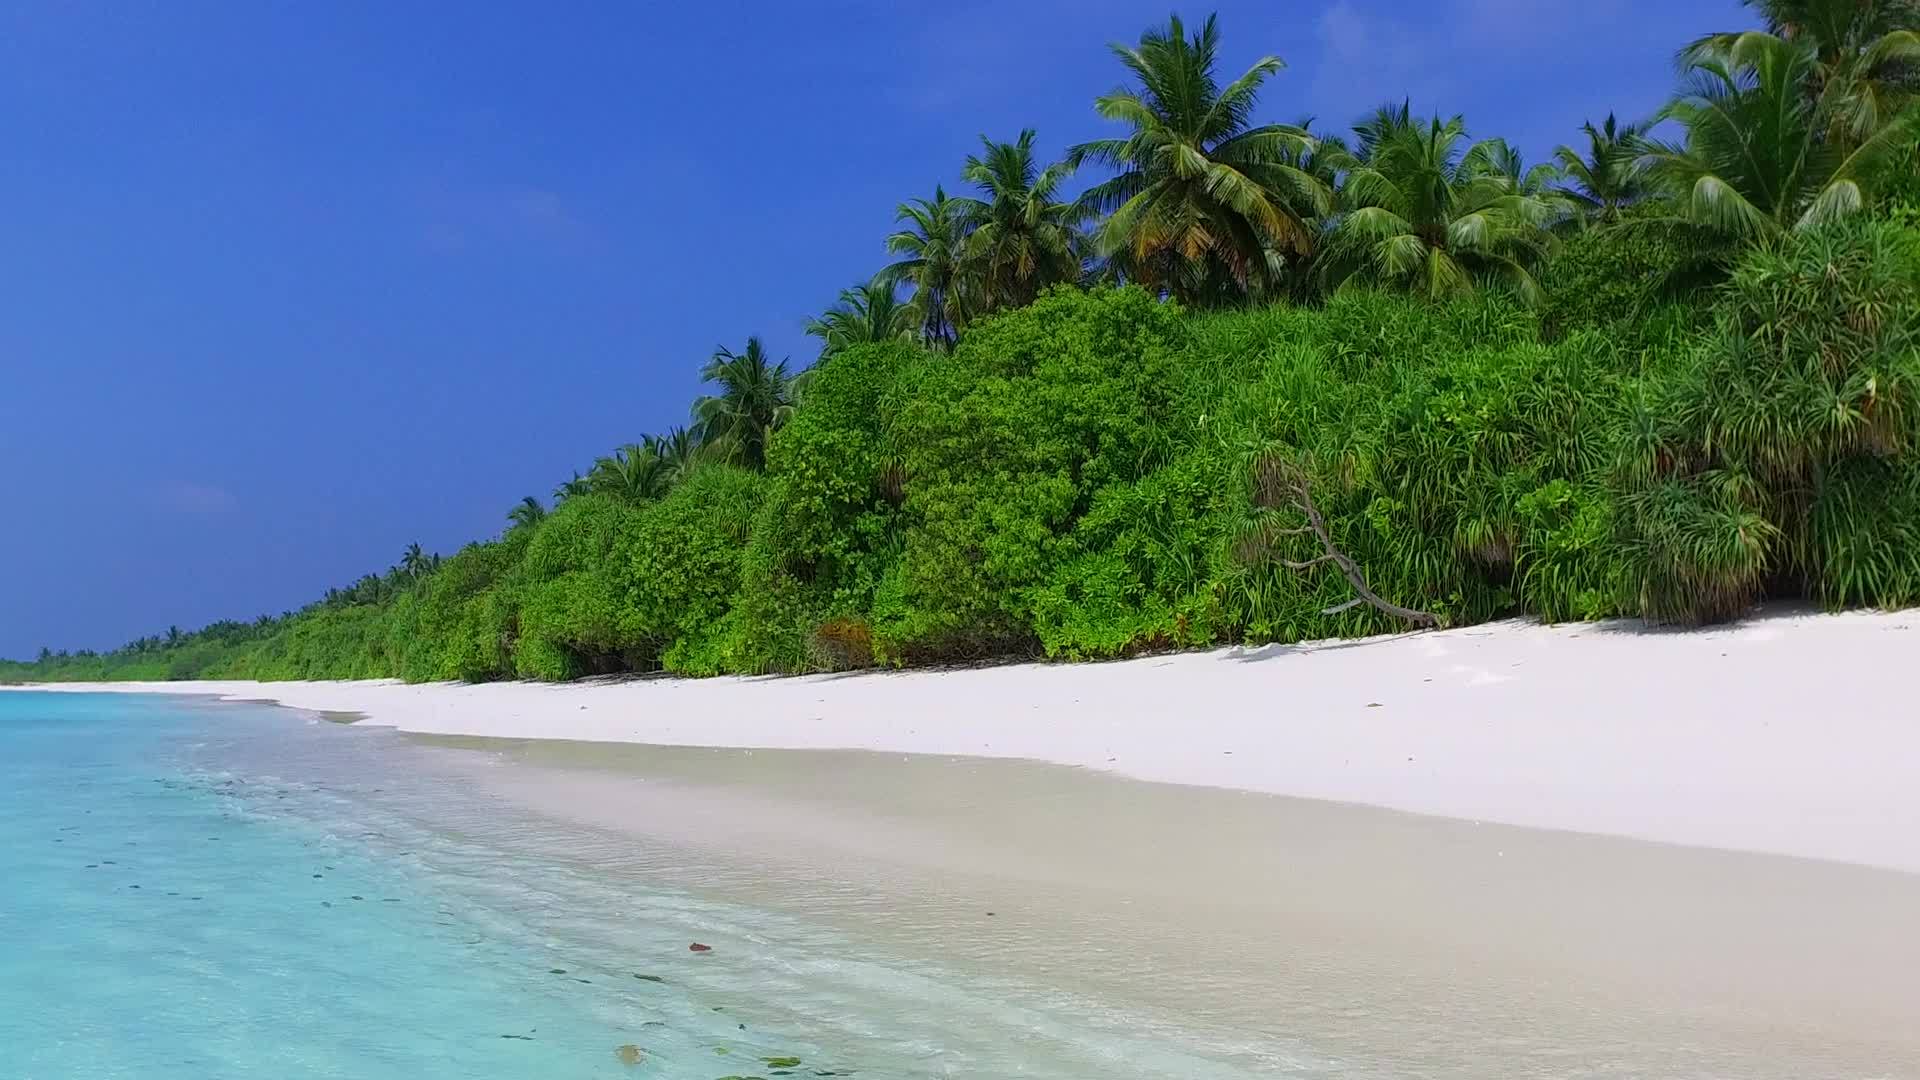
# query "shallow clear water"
(199, 890)
(159, 921)
(195, 890)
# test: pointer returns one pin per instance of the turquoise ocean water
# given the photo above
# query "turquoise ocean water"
(159, 919)
(192, 891)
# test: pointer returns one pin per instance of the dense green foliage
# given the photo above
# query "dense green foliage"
(1428, 212)
(1622, 385)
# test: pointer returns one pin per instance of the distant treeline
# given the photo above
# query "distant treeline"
(1666, 379)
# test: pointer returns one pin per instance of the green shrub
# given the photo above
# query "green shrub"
(826, 529)
(577, 614)
(1866, 533)
(1898, 184)
(1810, 375)
(1003, 447)
(468, 615)
(1426, 435)
(1640, 279)
(682, 558)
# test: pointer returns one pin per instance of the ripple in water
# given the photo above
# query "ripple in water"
(197, 890)
(203, 890)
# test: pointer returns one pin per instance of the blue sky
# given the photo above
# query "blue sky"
(287, 287)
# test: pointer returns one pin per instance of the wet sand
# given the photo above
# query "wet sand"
(1388, 943)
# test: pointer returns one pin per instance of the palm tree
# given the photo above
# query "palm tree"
(1865, 54)
(413, 562)
(756, 397)
(1205, 204)
(1322, 158)
(527, 511)
(1758, 157)
(864, 315)
(370, 589)
(633, 472)
(1607, 179)
(578, 485)
(933, 244)
(1496, 157)
(1421, 209)
(678, 450)
(1021, 237)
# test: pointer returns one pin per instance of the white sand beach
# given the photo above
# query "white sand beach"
(1790, 734)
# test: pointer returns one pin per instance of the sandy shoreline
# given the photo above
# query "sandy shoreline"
(1790, 734)
(926, 915)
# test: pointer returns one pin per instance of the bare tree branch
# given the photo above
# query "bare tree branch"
(1280, 483)
(1308, 565)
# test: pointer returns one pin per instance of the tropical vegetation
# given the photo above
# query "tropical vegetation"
(1139, 398)
(1205, 205)
(1426, 211)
